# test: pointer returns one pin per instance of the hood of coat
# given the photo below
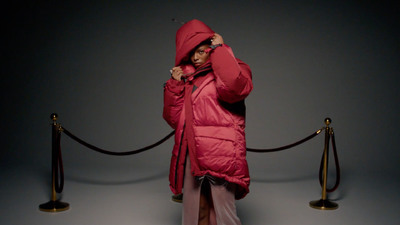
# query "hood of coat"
(188, 37)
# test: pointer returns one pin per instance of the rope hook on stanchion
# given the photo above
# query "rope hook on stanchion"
(57, 183)
(324, 203)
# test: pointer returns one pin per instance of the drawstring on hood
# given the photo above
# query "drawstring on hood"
(188, 37)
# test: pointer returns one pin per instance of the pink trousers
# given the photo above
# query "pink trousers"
(223, 209)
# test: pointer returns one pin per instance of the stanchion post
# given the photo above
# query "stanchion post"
(324, 203)
(54, 205)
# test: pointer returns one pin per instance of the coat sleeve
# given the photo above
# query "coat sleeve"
(233, 77)
(173, 101)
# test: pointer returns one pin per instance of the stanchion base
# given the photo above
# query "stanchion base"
(323, 205)
(54, 206)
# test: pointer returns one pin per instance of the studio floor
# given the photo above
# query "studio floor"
(145, 199)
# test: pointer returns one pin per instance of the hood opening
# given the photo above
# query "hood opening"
(190, 35)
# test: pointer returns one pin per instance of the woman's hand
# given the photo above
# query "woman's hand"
(177, 73)
(217, 39)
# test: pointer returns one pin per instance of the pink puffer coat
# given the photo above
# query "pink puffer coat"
(209, 120)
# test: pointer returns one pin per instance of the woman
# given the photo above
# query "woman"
(204, 103)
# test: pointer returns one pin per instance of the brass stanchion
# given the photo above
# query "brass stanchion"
(54, 205)
(324, 203)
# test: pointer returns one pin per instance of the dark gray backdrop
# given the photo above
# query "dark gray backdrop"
(101, 66)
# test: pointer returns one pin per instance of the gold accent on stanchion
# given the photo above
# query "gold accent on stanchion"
(54, 117)
(324, 203)
(54, 205)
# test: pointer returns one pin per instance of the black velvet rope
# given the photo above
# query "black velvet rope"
(58, 167)
(59, 171)
(116, 153)
(286, 146)
(170, 135)
(337, 166)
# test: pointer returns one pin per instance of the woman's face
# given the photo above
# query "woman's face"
(199, 56)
